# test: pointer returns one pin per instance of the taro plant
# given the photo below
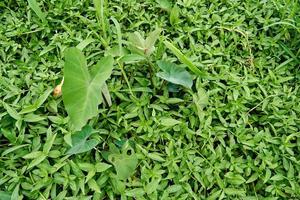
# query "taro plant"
(82, 87)
(175, 74)
(141, 45)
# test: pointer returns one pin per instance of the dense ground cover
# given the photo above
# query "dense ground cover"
(233, 135)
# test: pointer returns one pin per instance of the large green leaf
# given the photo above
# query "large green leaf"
(174, 74)
(82, 89)
(5, 195)
(80, 142)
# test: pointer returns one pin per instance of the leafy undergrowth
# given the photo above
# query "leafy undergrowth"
(231, 133)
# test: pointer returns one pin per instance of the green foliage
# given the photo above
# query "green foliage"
(80, 142)
(174, 74)
(164, 4)
(174, 16)
(35, 7)
(99, 7)
(124, 164)
(144, 46)
(81, 88)
(39, 102)
(233, 135)
(5, 196)
(184, 59)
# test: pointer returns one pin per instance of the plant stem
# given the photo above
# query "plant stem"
(152, 71)
(126, 79)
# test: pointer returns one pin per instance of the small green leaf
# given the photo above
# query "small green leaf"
(291, 172)
(156, 157)
(164, 4)
(61, 195)
(54, 153)
(115, 51)
(235, 179)
(174, 188)
(84, 43)
(150, 41)
(152, 186)
(49, 143)
(46, 50)
(12, 149)
(215, 195)
(80, 142)
(119, 34)
(132, 58)
(252, 178)
(137, 42)
(169, 121)
(99, 7)
(288, 51)
(136, 192)
(86, 166)
(9, 134)
(15, 194)
(277, 177)
(33, 155)
(174, 74)
(118, 185)
(234, 191)
(12, 112)
(33, 118)
(101, 167)
(35, 7)
(37, 161)
(268, 175)
(184, 59)
(106, 95)
(37, 104)
(174, 15)
(90, 175)
(94, 186)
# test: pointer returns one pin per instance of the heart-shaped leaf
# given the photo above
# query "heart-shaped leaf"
(124, 164)
(81, 88)
(174, 74)
(80, 142)
(143, 46)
